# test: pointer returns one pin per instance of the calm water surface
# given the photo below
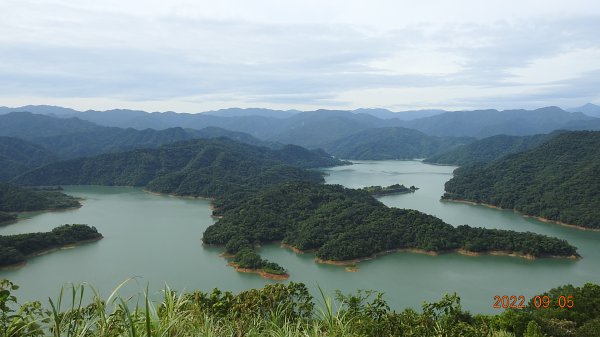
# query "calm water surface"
(157, 240)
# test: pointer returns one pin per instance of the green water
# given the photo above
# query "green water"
(157, 239)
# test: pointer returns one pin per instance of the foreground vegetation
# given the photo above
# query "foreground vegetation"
(15, 249)
(558, 180)
(342, 224)
(286, 310)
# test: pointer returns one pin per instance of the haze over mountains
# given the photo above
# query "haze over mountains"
(56, 133)
(322, 127)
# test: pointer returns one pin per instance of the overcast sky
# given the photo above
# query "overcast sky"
(191, 55)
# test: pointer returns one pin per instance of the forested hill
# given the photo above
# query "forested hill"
(69, 138)
(488, 149)
(18, 156)
(486, 123)
(558, 180)
(15, 199)
(392, 143)
(26, 125)
(112, 139)
(345, 224)
(204, 167)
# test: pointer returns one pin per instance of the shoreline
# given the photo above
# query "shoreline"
(352, 263)
(463, 201)
(296, 250)
(260, 272)
(513, 254)
(377, 195)
(19, 218)
(439, 164)
(49, 250)
(177, 195)
(211, 206)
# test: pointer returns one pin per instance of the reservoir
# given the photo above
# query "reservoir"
(156, 240)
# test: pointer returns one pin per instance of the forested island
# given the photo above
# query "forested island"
(558, 181)
(377, 191)
(247, 260)
(14, 199)
(15, 249)
(347, 225)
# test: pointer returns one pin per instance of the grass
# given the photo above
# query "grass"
(277, 310)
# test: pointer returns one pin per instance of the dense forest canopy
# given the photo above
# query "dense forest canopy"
(203, 167)
(16, 248)
(387, 190)
(345, 224)
(7, 217)
(558, 180)
(489, 149)
(392, 143)
(18, 199)
(18, 156)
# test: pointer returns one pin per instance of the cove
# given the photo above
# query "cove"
(157, 239)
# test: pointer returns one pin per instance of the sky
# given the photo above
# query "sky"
(195, 55)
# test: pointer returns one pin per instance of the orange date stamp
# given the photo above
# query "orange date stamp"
(539, 302)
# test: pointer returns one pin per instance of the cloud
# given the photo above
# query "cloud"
(197, 55)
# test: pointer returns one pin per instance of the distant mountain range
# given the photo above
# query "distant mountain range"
(319, 128)
(486, 123)
(589, 109)
(72, 137)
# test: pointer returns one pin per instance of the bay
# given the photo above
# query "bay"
(156, 240)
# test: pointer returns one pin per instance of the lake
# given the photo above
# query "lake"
(156, 240)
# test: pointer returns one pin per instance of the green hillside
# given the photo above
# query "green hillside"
(488, 149)
(18, 156)
(558, 180)
(391, 143)
(209, 168)
(112, 139)
(16, 199)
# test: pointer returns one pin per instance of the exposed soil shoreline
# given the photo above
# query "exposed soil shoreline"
(177, 195)
(463, 201)
(353, 262)
(260, 272)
